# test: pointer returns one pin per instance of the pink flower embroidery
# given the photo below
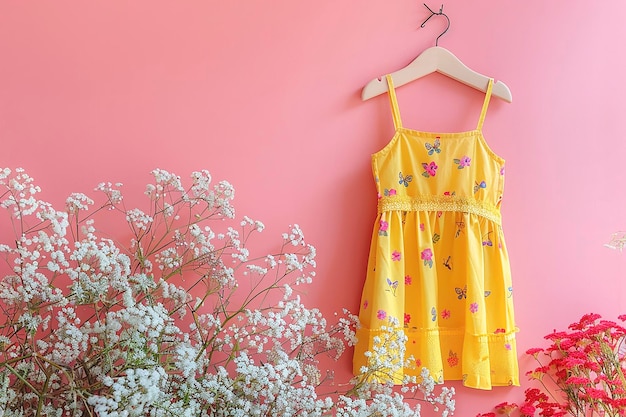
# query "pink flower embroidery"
(382, 230)
(407, 318)
(365, 304)
(445, 314)
(429, 169)
(463, 162)
(473, 307)
(408, 280)
(507, 346)
(396, 256)
(422, 227)
(381, 314)
(427, 257)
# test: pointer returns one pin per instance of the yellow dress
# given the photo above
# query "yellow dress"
(438, 261)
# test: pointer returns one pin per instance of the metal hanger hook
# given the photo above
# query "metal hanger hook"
(439, 13)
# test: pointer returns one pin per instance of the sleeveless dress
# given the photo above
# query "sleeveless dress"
(438, 262)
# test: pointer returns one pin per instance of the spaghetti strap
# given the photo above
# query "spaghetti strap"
(485, 105)
(395, 111)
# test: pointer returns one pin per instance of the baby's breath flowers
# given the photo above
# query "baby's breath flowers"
(169, 313)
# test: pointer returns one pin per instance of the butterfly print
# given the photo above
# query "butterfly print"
(393, 286)
(480, 185)
(434, 147)
(461, 292)
(446, 263)
(405, 180)
(433, 313)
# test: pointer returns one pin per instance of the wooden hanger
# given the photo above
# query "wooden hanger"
(437, 59)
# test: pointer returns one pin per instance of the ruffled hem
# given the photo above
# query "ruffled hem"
(480, 361)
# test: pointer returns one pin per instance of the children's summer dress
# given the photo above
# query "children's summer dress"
(438, 263)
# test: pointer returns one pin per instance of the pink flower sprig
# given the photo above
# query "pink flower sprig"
(581, 373)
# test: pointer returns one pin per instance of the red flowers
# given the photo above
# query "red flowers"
(534, 351)
(453, 360)
(581, 373)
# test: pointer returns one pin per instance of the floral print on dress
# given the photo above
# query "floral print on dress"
(473, 308)
(381, 314)
(427, 257)
(390, 192)
(382, 228)
(487, 240)
(445, 314)
(453, 360)
(407, 319)
(396, 256)
(430, 170)
(408, 280)
(463, 162)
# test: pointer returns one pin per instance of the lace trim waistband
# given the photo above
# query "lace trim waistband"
(440, 203)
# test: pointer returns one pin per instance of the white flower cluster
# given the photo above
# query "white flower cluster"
(91, 328)
(112, 192)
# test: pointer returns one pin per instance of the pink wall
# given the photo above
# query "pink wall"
(266, 95)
